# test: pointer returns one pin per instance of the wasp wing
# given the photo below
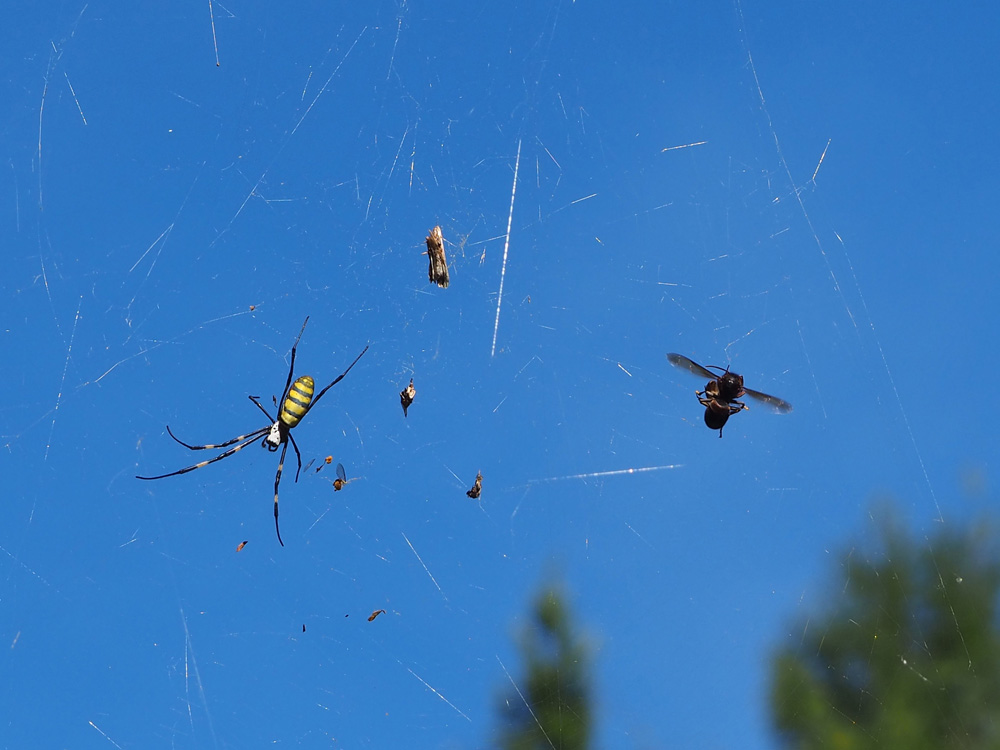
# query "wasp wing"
(779, 405)
(341, 474)
(679, 360)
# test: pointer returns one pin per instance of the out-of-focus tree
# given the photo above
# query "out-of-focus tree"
(908, 656)
(550, 707)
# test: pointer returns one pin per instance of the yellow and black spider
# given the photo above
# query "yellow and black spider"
(297, 400)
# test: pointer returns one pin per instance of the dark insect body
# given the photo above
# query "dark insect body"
(407, 395)
(477, 488)
(296, 401)
(722, 393)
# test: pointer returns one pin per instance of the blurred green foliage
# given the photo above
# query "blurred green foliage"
(908, 653)
(550, 707)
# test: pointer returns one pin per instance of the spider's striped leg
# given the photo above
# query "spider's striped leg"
(277, 480)
(253, 435)
(339, 378)
(298, 456)
(221, 456)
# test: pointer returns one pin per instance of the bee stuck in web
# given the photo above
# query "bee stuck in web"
(722, 393)
(407, 395)
(477, 488)
(437, 270)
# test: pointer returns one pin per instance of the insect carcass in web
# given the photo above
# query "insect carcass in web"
(722, 393)
(437, 270)
(407, 395)
(341, 480)
(477, 488)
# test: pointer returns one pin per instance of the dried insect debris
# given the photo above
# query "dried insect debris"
(407, 395)
(375, 614)
(437, 270)
(477, 487)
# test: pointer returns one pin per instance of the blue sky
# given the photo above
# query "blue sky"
(168, 223)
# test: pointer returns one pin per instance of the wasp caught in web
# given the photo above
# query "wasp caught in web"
(722, 393)
(296, 401)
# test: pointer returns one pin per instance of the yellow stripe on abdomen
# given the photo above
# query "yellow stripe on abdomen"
(297, 402)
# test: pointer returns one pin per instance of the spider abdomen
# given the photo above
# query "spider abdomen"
(297, 401)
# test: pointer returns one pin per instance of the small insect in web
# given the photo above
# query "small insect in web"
(241, 545)
(477, 488)
(722, 393)
(296, 401)
(341, 480)
(437, 270)
(326, 462)
(407, 395)
(375, 614)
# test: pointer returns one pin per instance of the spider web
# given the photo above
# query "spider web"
(612, 184)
